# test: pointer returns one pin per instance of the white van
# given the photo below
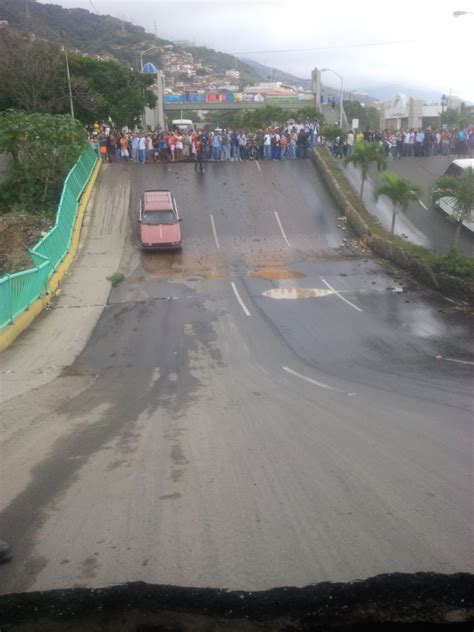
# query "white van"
(446, 203)
(184, 125)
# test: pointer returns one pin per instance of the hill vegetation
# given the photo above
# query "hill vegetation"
(106, 35)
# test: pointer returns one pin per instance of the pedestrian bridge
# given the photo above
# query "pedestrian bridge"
(239, 105)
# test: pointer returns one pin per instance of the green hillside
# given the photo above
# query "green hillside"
(103, 34)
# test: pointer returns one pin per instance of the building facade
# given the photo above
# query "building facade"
(403, 112)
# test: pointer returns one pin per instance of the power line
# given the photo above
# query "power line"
(298, 50)
(92, 5)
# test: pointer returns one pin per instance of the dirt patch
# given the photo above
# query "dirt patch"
(171, 265)
(18, 233)
(275, 274)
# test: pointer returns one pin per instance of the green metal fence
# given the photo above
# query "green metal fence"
(18, 291)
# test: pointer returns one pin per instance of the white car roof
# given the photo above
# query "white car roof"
(464, 163)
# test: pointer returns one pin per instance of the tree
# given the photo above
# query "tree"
(368, 116)
(260, 118)
(461, 191)
(400, 190)
(33, 78)
(112, 91)
(309, 111)
(331, 132)
(32, 74)
(44, 147)
(454, 118)
(363, 156)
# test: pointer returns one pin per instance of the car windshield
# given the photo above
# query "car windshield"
(158, 217)
(454, 170)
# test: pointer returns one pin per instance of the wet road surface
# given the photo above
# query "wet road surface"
(261, 409)
(421, 223)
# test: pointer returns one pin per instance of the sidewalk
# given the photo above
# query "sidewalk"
(59, 334)
(421, 224)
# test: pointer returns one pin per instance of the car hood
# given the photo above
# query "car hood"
(160, 233)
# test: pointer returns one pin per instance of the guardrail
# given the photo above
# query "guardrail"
(19, 290)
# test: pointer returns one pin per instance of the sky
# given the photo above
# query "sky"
(418, 43)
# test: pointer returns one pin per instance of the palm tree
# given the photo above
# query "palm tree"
(399, 190)
(363, 156)
(460, 190)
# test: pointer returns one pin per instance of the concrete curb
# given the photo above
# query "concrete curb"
(385, 247)
(25, 319)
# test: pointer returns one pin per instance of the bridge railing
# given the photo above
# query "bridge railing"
(19, 290)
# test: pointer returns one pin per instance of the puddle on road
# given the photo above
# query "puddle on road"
(296, 293)
(274, 273)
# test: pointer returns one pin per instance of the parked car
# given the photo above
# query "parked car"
(446, 203)
(159, 220)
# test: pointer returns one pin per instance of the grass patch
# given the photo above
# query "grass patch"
(70, 371)
(454, 262)
(116, 278)
(350, 193)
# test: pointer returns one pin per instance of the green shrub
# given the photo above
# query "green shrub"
(44, 147)
(454, 263)
(116, 278)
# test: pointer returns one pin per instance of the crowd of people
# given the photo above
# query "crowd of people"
(407, 143)
(288, 142)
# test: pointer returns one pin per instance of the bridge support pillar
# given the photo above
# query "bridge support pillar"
(316, 88)
(155, 118)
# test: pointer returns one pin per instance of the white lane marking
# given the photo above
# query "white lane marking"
(214, 230)
(239, 298)
(295, 293)
(282, 231)
(258, 166)
(455, 360)
(423, 205)
(340, 296)
(315, 382)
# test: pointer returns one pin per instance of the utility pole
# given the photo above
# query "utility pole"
(71, 103)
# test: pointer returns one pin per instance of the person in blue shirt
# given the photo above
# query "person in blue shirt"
(135, 144)
(216, 144)
(461, 143)
(419, 140)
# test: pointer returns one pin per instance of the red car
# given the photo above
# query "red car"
(159, 221)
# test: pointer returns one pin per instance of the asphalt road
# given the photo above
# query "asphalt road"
(421, 223)
(259, 410)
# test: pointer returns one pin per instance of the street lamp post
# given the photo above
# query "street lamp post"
(71, 102)
(143, 53)
(342, 92)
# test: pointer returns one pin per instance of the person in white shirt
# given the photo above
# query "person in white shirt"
(142, 148)
(149, 149)
(267, 146)
(349, 142)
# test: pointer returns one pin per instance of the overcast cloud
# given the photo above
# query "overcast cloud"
(436, 52)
